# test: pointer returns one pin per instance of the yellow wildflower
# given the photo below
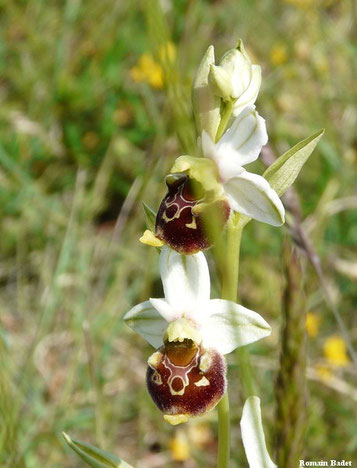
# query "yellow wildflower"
(335, 351)
(148, 71)
(179, 446)
(323, 371)
(312, 324)
(278, 54)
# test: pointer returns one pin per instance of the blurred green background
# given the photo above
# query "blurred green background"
(95, 107)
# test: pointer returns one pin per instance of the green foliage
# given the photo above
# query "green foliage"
(150, 217)
(283, 172)
(94, 456)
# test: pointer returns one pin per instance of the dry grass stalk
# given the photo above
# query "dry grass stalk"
(290, 386)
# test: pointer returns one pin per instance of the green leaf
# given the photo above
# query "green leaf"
(94, 456)
(150, 217)
(283, 172)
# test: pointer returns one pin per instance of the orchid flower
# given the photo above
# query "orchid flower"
(217, 323)
(186, 376)
(248, 193)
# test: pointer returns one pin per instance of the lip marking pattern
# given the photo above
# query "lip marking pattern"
(202, 383)
(174, 201)
(179, 372)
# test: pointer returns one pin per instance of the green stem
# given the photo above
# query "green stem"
(229, 266)
(229, 270)
(224, 120)
(224, 430)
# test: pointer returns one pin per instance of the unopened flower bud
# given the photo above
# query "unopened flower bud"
(185, 380)
(236, 78)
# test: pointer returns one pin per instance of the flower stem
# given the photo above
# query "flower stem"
(223, 432)
(224, 119)
(229, 268)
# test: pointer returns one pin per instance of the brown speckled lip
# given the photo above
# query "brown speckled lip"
(187, 389)
(176, 225)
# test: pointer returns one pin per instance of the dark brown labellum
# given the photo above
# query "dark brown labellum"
(187, 384)
(176, 223)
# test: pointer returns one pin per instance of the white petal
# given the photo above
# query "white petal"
(145, 320)
(229, 325)
(250, 94)
(251, 194)
(253, 435)
(245, 138)
(185, 279)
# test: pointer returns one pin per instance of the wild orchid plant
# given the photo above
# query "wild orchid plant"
(210, 196)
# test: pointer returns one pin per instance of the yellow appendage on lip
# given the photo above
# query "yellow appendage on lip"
(149, 238)
(175, 419)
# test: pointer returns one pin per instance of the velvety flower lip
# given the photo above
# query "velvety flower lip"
(248, 193)
(187, 307)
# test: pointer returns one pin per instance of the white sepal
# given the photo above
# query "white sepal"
(253, 435)
(145, 320)
(226, 162)
(229, 326)
(245, 138)
(252, 195)
(185, 279)
(206, 106)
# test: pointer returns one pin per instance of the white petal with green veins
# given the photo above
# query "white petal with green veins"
(145, 320)
(253, 435)
(251, 195)
(229, 325)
